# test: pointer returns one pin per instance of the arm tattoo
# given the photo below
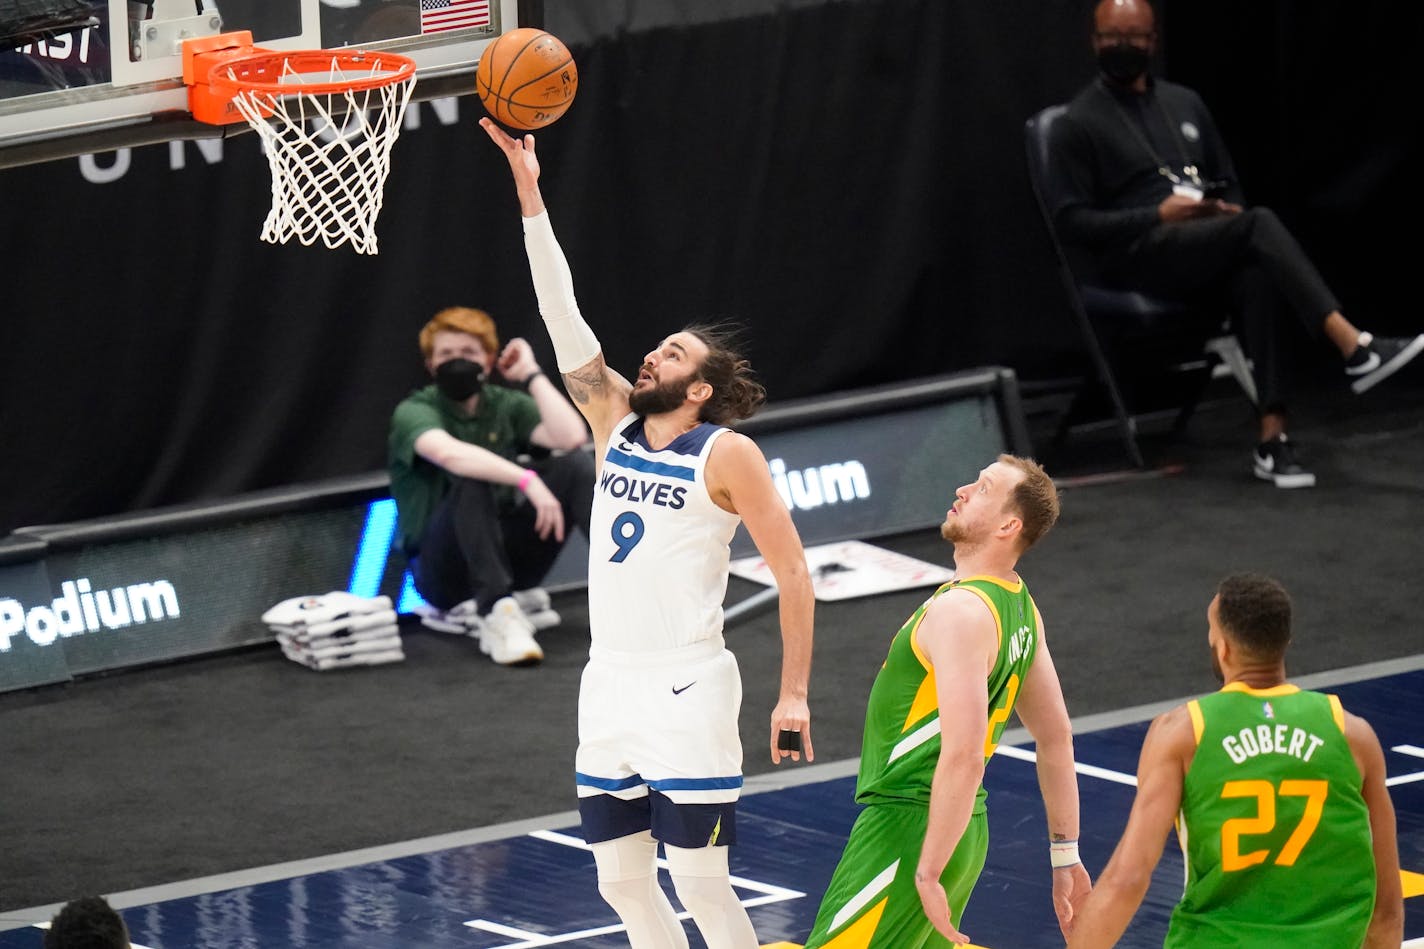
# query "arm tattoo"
(587, 381)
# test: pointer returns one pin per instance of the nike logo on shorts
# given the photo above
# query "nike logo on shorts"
(677, 691)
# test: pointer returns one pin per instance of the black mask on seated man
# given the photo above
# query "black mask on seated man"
(1123, 62)
(458, 379)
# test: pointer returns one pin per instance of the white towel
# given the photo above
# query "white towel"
(306, 610)
(355, 659)
(328, 648)
(378, 634)
(337, 627)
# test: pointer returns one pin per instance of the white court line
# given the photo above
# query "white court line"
(777, 893)
(1092, 771)
(537, 940)
(756, 784)
(1398, 779)
(770, 894)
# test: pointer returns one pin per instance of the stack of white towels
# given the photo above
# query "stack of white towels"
(337, 630)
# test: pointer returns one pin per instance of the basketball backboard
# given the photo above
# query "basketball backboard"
(102, 74)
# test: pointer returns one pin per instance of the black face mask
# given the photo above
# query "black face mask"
(458, 379)
(1123, 63)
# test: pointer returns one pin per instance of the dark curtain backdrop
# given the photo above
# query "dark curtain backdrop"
(845, 179)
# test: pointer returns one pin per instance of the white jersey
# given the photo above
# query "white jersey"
(659, 546)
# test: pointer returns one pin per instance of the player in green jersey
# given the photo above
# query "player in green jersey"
(971, 655)
(1280, 802)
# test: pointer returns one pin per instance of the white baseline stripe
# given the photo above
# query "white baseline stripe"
(1092, 771)
(1413, 750)
(774, 894)
(500, 930)
(770, 894)
(537, 940)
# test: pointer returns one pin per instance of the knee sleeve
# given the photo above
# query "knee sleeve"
(703, 884)
(628, 882)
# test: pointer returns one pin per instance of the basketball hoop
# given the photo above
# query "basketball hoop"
(327, 120)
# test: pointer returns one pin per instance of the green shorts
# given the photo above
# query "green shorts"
(872, 902)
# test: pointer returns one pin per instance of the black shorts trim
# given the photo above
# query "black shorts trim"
(691, 826)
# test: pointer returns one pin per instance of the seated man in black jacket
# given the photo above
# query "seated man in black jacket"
(1151, 197)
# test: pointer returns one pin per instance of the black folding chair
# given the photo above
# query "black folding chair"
(1133, 338)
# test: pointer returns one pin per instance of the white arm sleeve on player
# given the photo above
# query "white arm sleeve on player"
(573, 339)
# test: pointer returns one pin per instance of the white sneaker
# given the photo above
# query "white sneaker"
(536, 606)
(462, 619)
(508, 636)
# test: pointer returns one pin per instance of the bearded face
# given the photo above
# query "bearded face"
(953, 530)
(662, 397)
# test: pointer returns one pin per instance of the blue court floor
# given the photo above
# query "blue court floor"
(532, 884)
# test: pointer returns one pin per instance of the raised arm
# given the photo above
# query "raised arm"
(600, 393)
(740, 481)
(1387, 923)
(1042, 710)
(1123, 884)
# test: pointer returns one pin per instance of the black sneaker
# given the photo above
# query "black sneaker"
(1276, 462)
(1377, 358)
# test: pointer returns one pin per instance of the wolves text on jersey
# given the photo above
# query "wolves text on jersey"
(639, 490)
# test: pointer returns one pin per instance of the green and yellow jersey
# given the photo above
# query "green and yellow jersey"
(1273, 825)
(901, 743)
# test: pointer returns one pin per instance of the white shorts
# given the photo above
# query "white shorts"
(665, 722)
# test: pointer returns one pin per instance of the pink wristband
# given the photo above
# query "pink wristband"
(529, 475)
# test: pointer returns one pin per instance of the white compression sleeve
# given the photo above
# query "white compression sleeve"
(628, 882)
(703, 883)
(573, 339)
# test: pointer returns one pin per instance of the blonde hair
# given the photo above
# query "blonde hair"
(1035, 498)
(460, 319)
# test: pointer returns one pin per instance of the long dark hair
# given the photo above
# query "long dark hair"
(735, 394)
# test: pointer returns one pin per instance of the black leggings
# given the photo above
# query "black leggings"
(475, 547)
(1253, 265)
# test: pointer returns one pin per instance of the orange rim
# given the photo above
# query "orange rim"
(262, 72)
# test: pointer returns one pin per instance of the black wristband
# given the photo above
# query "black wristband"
(529, 379)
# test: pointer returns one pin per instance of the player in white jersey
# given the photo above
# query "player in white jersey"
(659, 756)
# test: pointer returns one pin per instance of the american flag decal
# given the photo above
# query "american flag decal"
(439, 15)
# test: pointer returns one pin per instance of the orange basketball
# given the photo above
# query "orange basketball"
(526, 78)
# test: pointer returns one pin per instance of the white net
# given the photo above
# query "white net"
(329, 152)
